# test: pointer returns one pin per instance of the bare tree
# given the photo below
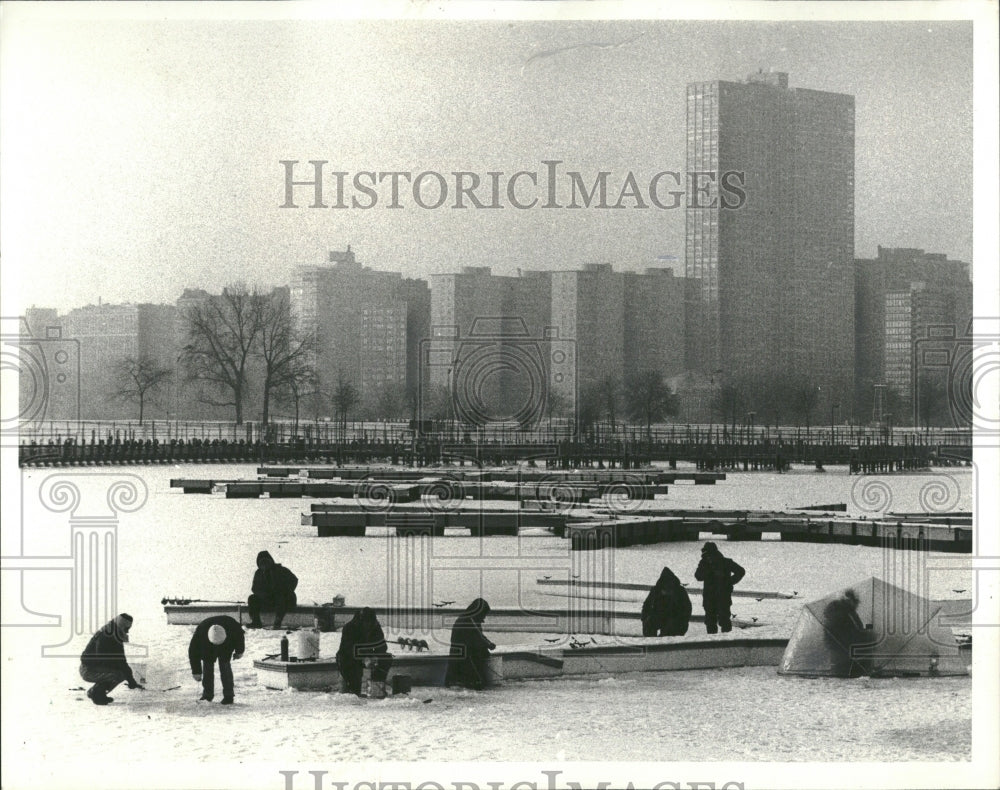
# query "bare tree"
(283, 352)
(390, 403)
(298, 382)
(803, 397)
(222, 332)
(345, 399)
(649, 398)
(137, 378)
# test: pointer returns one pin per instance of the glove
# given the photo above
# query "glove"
(196, 676)
(238, 656)
(490, 645)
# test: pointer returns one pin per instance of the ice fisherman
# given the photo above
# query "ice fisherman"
(362, 638)
(718, 575)
(216, 639)
(103, 660)
(667, 609)
(846, 636)
(273, 588)
(470, 649)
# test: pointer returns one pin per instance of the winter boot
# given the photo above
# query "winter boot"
(99, 696)
(227, 701)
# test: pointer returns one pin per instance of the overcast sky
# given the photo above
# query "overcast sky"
(140, 158)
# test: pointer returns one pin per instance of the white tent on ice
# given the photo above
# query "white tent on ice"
(872, 628)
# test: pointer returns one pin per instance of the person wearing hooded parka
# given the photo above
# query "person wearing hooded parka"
(273, 588)
(470, 648)
(667, 609)
(718, 575)
(362, 638)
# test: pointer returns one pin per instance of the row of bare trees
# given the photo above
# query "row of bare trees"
(644, 397)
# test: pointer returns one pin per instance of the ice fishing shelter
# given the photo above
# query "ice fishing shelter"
(894, 632)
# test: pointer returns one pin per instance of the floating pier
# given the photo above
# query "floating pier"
(434, 623)
(507, 664)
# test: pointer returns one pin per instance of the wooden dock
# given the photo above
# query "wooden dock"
(887, 533)
(434, 623)
(518, 475)
(515, 663)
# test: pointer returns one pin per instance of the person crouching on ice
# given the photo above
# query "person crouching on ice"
(470, 649)
(103, 660)
(273, 588)
(667, 609)
(718, 575)
(219, 639)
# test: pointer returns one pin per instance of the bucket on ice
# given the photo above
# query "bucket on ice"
(307, 645)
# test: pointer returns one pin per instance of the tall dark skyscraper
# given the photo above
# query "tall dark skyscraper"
(774, 299)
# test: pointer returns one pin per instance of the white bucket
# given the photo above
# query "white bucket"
(307, 645)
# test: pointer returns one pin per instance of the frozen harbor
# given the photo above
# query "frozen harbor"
(204, 547)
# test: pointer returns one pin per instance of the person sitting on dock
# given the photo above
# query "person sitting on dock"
(470, 649)
(362, 639)
(667, 608)
(218, 638)
(718, 575)
(273, 588)
(103, 660)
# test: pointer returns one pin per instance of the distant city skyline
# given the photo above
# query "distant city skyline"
(150, 163)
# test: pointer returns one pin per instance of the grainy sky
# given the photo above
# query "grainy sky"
(142, 157)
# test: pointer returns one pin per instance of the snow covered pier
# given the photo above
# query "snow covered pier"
(435, 622)
(919, 534)
(513, 663)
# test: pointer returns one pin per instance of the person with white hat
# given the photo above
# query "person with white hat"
(221, 639)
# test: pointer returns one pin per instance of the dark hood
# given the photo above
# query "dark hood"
(477, 610)
(265, 560)
(668, 579)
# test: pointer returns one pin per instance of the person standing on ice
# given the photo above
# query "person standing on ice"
(718, 575)
(667, 608)
(470, 649)
(273, 588)
(103, 660)
(218, 638)
(362, 639)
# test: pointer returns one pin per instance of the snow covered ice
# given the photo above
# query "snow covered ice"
(190, 546)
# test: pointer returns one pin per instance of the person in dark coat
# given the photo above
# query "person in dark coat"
(847, 637)
(103, 660)
(218, 638)
(273, 588)
(470, 649)
(667, 608)
(718, 574)
(362, 638)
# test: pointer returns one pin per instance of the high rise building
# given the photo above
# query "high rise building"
(107, 335)
(774, 296)
(588, 308)
(901, 297)
(491, 343)
(654, 313)
(368, 325)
